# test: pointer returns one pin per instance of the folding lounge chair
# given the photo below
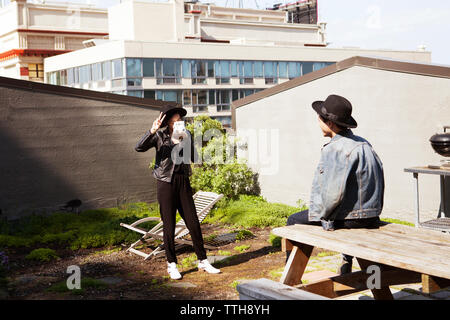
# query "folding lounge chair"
(204, 201)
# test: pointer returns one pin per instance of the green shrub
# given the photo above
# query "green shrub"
(42, 255)
(220, 171)
(251, 211)
(275, 241)
(243, 234)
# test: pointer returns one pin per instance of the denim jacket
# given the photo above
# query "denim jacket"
(348, 182)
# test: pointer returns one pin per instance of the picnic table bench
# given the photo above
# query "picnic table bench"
(403, 254)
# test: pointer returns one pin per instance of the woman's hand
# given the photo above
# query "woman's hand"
(157, 123)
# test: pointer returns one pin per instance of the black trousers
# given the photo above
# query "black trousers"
(174, 196)
(302, 218)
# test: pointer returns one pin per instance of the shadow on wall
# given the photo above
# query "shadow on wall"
(55, 148)
(27, 181)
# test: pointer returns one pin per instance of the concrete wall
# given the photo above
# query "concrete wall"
(55, 148)
(396, 112)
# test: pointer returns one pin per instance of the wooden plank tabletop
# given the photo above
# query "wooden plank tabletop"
(423, 251)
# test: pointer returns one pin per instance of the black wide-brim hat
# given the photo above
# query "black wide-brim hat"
(170, 109)
(336, 109)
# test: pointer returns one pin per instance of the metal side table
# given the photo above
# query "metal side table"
(442, 222)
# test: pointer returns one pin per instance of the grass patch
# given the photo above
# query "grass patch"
(42, 255)
(242, 248)
(106, 251)
(277, 273)
(189, 262)
(251, 211)
(86, 283)
(326, 254)
(224, 253)
(88, 229)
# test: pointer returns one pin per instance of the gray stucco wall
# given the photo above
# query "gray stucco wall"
(397, 112)
(54, 148)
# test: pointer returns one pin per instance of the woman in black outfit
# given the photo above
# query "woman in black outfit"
(174, 192)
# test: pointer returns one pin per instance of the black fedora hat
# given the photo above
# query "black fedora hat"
(336, 109)
(170, 109)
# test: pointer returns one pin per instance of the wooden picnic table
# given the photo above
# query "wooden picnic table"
(404, 255)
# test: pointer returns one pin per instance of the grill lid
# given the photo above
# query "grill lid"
(441, 138)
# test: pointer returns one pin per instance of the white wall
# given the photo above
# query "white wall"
(132, 20)
(396, 112)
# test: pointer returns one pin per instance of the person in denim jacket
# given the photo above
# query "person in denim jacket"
(348, 185)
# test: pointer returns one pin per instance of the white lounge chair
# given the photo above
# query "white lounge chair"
(204, 201)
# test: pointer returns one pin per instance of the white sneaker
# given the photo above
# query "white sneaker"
(173, 271)
(206, 266)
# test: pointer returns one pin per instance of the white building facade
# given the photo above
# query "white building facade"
(202, 56)
(30, 32)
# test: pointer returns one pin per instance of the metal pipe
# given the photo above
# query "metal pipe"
(416, 177)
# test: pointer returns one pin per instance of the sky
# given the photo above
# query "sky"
(369, 24)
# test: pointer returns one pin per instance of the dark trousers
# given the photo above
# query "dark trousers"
(302, 218)
(174, 196)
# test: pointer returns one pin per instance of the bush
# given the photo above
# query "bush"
(275, 241)
(231, 179)
(251, 211)
(220, 170)
(42, 255)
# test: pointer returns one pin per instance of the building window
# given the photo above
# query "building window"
(134, 82)
(134, 67)
(307, 67)
(199, 72)
(222, 72)
(168, 71)
(169, 95)
(270, 72)
(187, 97)
(258, 69)
(234, 69)
(117, 68)
(97, 71)
(319, 65)
(211, 69)
(223, 100)
(106, 70)
(70, 77)
(149, 68)
(135, 93)
(245, 72)
(199, 100)
(150, 94)
(35, 70)
(186, 64)
(294, 69)
(282, 70)
(85, 74)
(76, 74)
(63, 77)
